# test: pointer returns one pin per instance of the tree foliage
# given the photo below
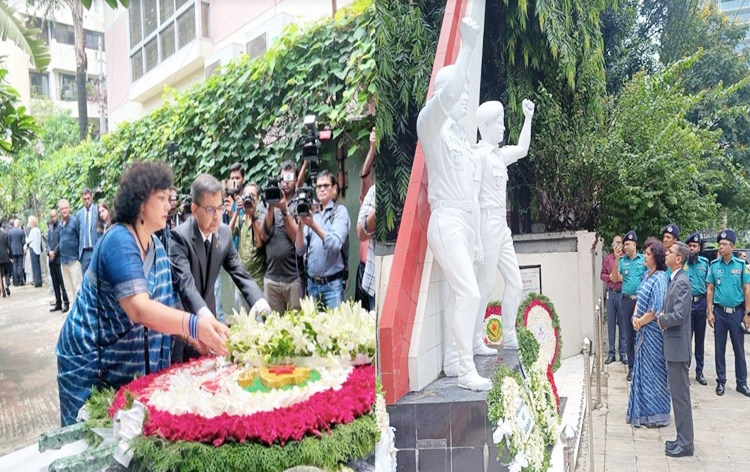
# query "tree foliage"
(406, 39)
(251, 111)
(13, 30)
(16, 126)
(659, 166)
(21, 179)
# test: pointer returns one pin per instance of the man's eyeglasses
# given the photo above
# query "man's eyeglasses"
(322, 186)
(211, 210)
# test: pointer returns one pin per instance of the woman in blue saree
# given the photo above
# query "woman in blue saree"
(649, 403)
(127, 288)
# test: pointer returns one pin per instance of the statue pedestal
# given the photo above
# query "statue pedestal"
(443, 427)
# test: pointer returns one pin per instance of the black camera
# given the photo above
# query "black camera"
(310, 142)
(272, 190)
(185, 208)
(305, 200)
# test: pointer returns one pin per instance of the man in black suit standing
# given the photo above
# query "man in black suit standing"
(675, 322)
(198, 250)
(5, 264)
(55, 268)
(17, 243)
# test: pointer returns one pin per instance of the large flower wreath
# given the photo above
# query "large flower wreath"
(537, 313)
(526, 450)
(200, 416)
(528, 350)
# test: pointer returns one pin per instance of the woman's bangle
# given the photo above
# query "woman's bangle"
(193, 326)
(182, 324)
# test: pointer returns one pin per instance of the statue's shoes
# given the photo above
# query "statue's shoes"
(451, 370)
(474, 381)
(484, 350)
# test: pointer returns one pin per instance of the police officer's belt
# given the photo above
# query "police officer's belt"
(632, 297)
(464, 205)
(698, 298)
(729, 309)
(325, 280)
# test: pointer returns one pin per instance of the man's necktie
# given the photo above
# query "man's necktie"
(87, 244)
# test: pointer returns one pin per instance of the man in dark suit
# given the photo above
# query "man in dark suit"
(88, 220)
(5, 263)
(198, 250)
(55, 267)
(17, 243)
(675, 321)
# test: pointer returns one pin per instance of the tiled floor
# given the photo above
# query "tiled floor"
(721, 426)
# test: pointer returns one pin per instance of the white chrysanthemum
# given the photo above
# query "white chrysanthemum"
(539, 322)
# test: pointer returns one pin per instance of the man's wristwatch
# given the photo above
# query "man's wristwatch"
(284, 214)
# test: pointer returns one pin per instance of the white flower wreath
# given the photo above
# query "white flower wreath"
(539, 322)
(525, 447)
(545, 404)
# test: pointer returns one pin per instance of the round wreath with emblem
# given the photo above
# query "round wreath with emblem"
(493, 324)
(538, 315)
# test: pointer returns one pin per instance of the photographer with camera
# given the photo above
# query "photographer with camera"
(322, 237)
(281, 284)
(247, 231)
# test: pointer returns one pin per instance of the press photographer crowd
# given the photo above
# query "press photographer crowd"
(278, 241)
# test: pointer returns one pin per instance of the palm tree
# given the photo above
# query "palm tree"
(25, 38)
(76, 7)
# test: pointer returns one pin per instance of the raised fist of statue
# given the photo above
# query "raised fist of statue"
(528, 108)
(469, 32)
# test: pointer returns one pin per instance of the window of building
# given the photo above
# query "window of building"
(213, 68)
(68, 88)
(64, 34)
(39, 84)
(93, 38)
(257, 47)
(158, 29)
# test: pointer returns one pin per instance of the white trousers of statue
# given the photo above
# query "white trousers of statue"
(499, 255)
(451, 238)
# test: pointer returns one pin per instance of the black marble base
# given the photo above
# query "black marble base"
(444, 428)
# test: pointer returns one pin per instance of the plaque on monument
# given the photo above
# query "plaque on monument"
(531, 279)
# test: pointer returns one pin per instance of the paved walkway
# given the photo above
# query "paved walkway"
(721, 424)
(29, 403)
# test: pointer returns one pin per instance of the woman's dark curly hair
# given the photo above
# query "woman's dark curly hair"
(137, 184)
(657, 251)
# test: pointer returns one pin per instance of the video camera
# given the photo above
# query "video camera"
(271, 192)
(310, 143)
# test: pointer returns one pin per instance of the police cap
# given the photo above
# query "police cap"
(631, 236)
(694, 238)
(672, 229)
(727, 234)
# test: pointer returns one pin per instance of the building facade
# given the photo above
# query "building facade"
(737, 10)
(57, 82)
(177, 43)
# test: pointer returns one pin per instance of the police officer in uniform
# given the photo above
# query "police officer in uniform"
(629, 270)
(669, 234)
(728, 300)
(697, 270)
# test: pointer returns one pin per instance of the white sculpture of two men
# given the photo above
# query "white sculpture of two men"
(455, 175)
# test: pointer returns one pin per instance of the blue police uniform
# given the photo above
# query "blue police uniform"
(728, 280)
(697, 272)
(632, 271)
